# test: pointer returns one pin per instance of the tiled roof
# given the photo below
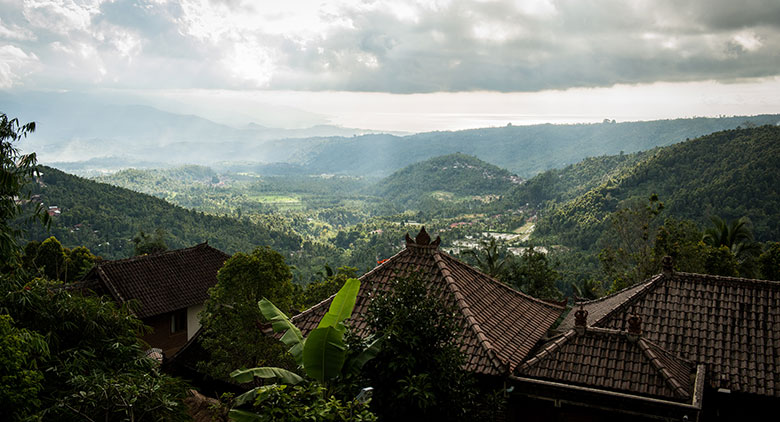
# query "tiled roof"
(613, 361)
(501, 325)
(162, 282)
(598, 308)
(730, 324)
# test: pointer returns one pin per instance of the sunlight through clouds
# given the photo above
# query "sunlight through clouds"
(399, 47)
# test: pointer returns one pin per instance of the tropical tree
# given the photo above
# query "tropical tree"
(231, 317)
(720, 261)
(490, 258)
(51, 259)
(16, 171)
(681, 240)
(146, 244)
(736, 236)
(627, 256)
(533, 273)
(769, 261)
(419, 373)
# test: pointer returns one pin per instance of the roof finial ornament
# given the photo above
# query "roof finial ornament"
(668, 265)
(634, 327)
(409, 240)
(580, 320)
(422, 239)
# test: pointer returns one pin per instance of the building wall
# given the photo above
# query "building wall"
(193, 320)
(161, 336)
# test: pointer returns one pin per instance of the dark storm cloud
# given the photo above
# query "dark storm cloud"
(393, 46)
(580, 44)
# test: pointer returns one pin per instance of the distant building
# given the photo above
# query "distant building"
(170, 288)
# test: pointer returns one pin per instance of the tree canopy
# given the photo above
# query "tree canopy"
(231, 319)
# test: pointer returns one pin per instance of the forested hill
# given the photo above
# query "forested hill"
(561, 185)
(457, 174)
(730, 174)
(105, 218)
(524, 150)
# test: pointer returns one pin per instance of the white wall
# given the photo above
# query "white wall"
(193, 321)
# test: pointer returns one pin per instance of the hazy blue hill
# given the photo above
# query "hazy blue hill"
(731, 174)
(78, 127)
(525, 150)
(104, 218)
(458, 174)
(75, 128)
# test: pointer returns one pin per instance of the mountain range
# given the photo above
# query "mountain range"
(79, 133)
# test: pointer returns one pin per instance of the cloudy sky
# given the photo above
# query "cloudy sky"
(402, 65)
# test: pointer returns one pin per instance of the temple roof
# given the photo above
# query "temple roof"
(730, 324)
(500, 325)
(615, 361)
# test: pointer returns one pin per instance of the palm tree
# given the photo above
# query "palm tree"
(490, 259)
(737, 236)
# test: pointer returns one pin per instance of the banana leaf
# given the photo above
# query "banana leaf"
(283, 375)
(292, 335)
(342, 305)
(324, 353)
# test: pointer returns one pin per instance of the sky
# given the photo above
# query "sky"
(402, 65)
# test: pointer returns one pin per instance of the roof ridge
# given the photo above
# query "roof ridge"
(667, 352)
(314, 307)
(611, 295)
(649, 352)
(110, 284)
(713, 277)
(547, 350)
(633, 297)
(506, 287)
(155, 255)
(375, 269)
(321, 303)
(465, 309)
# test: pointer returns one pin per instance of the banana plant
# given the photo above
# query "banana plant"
(321, 355)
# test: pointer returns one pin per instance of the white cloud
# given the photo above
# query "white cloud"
(61, 16)
(15, 32)
(14, 64)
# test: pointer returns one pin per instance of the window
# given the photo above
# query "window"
(179, 321)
